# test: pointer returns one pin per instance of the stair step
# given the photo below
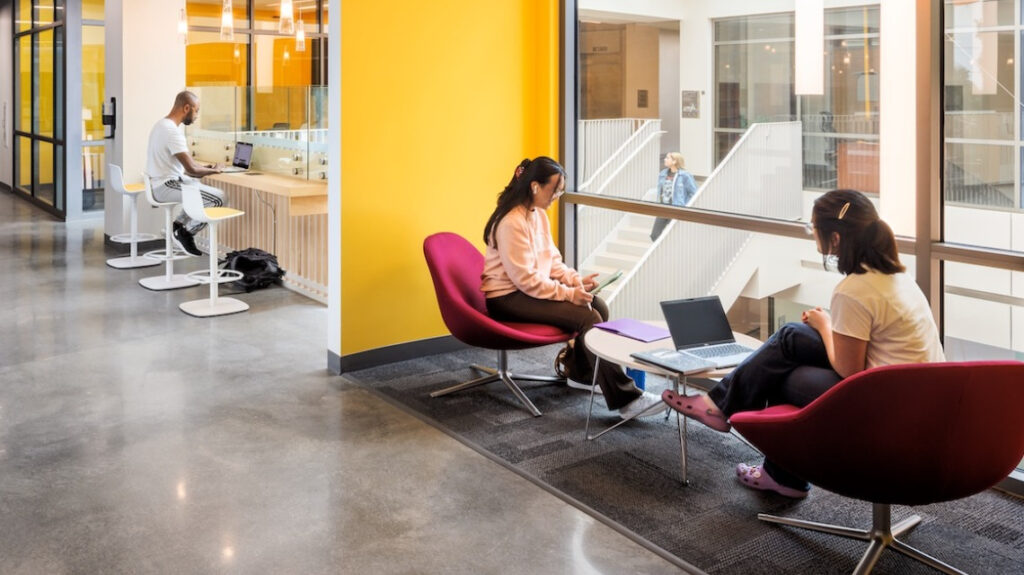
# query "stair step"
(602, 271)
(616, 261)
(626, 247)
(635, 234)
(639, 221)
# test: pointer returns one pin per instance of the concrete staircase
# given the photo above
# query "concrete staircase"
(624, 249)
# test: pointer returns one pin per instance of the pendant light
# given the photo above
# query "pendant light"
(183, 26)
(286, 24)
(300, 34)
(227, 22)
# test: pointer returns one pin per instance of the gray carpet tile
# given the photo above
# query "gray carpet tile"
(631, 477)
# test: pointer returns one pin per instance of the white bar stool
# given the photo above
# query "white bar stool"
(129, 198)
(192, 201)
(169, 280)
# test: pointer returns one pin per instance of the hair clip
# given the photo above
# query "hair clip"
(842, 211)
(519, 171)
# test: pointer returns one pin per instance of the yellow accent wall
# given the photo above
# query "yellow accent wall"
(438, 106)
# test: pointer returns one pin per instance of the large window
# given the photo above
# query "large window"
(761, 154)
(983, 162)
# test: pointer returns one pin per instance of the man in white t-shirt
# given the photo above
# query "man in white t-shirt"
(169, 164)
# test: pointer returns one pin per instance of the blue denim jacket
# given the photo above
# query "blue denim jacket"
(684, 189)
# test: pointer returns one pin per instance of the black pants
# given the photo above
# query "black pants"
(617, 387)
(659, 226)
(792, 367)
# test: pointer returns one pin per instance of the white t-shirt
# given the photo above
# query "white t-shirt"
(165, 140)
(891, 314)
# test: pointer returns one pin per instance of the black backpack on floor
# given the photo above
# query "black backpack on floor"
(259, 268)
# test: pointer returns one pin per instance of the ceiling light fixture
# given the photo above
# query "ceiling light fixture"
(183, 26)
(286, 24)
(300, 34)
(227, 22)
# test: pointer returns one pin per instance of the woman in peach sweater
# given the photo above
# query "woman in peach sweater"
(525, 279)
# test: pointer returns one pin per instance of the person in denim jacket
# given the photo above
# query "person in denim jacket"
(675, 186)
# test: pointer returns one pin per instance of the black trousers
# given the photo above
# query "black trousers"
(617, 387)
(792, 367)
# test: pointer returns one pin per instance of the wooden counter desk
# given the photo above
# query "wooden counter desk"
(283, 215)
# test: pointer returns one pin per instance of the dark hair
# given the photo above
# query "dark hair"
(864, 239)
(518, 192)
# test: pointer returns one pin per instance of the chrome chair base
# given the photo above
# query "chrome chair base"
(503, 375)
(881, 535)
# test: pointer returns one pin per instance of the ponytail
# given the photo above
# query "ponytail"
(865, 241)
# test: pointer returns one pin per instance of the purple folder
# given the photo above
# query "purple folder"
(634, 329)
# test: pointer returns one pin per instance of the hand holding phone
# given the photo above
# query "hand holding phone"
(606, 282)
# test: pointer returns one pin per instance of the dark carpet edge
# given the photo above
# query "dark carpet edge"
(614, 525)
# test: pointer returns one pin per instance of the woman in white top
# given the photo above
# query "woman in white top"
(525, 279)
(879, 316)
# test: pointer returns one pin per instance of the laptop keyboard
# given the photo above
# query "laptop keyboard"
(718, 350)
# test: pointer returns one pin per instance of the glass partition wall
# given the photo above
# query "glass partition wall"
(277, 149)
(274, 62)
(39, 102)
(761, 153)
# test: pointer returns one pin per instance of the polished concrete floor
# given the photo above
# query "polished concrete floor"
(136, 439)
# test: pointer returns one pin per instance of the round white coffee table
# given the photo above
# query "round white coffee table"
(608, 346)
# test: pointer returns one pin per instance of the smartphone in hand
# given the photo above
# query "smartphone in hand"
(608, 280)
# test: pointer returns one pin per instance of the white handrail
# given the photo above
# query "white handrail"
(616, 160)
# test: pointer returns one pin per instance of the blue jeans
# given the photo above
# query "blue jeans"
(792, 367)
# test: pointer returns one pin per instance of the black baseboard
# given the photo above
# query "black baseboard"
(5, 188)
(392, 353)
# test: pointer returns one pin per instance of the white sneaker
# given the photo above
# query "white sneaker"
(584, 386)
(643, 406)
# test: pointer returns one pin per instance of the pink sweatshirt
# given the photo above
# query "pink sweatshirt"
(526, 259)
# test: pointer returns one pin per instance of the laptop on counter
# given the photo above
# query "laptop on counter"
(242, 159)
(700, 331)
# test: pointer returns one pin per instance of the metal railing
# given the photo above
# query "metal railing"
(599, 139)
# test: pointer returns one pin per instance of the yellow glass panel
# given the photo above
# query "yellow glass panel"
(24, 178)
(92, 82)
(92, 9)
(210, 62)
(44, 180)
(23, 116)
(324, 20)
(44, 92)
(44, 12)
(23, 18)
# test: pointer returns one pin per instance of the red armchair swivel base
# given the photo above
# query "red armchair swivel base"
(904, 434)
(455, 266)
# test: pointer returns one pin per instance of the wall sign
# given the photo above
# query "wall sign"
(690, 104)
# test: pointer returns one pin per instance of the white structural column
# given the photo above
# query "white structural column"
(334, 279)
(898, 138)
(145, 69)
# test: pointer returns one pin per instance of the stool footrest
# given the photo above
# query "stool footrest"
(129, 238)
(223, 276)
(161, 255)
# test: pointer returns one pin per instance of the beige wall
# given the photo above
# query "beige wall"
(145, 69)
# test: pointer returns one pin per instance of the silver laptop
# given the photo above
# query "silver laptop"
(701, 330)
(242, 159)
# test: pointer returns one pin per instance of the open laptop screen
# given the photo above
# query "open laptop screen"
(697, 321)
(243, 155)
